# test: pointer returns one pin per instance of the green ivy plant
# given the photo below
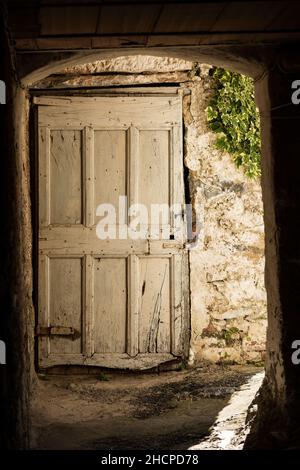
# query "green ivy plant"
(233, 115)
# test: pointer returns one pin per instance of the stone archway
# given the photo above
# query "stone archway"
(273, 77)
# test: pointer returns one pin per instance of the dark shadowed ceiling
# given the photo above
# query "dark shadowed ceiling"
(77, 24)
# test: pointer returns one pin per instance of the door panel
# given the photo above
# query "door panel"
(110, 310)
(155, 305)
(65, 302)
(154, 163)
(110, 157)
(65, 175)
(114, 302)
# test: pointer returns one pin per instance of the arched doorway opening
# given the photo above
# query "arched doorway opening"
(214, 336)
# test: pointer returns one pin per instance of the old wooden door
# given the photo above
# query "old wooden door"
(115, 302)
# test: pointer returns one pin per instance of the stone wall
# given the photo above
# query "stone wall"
(228, 299)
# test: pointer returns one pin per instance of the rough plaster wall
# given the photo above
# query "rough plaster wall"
(15, 259)
(276, 424)
(133, 64)
(228, 300)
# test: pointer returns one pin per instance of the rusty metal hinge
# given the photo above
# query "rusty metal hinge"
(56, 331)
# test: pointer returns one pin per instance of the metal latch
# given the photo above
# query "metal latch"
(57, 331)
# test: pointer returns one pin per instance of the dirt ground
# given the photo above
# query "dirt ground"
(126, 411)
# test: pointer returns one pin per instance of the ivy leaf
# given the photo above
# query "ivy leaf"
(216, 126)
(232, 112)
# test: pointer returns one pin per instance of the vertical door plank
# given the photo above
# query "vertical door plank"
(133, 150)
(88, 303)
(89, 177)
(177, 304)
(133, 306)
(177, 183)
(43, 304)
(44, 176)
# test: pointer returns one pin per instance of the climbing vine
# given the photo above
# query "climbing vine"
(233, 115)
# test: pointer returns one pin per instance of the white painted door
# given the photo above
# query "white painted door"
(115, 302)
